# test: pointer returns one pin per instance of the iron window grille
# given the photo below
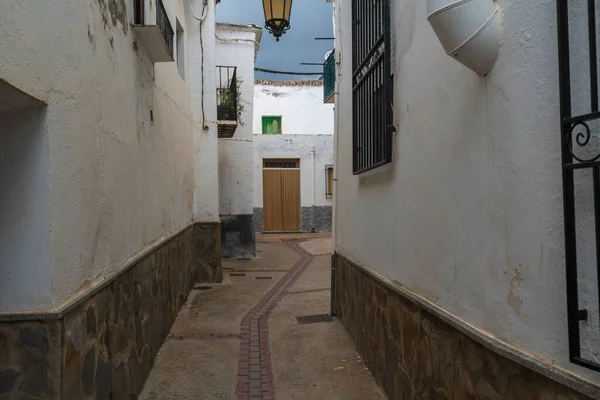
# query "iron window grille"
(227, 94)
(275, 163)
(372, 123)
(162, 20)
(329, 76)
(580, 149)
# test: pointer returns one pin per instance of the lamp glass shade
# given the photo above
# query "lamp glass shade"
(277, 16)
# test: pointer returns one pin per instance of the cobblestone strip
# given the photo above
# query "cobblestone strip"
(255, 371)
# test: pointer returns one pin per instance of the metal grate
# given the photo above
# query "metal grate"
(329, 77)
(281, 163)
(372, 124)
(162, 20)
(227, 93)
(313, 319)
(580, 150)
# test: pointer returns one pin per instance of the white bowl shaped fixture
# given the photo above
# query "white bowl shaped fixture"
(469, 31)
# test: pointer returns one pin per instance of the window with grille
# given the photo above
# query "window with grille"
(372, 123)
(271, 125)
(329, 181)
(580, 116)
(281, 163)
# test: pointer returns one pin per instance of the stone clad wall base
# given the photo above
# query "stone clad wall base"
(104, 346)
(323, 218)
(412, 353)
(237, 236)
(207, 242)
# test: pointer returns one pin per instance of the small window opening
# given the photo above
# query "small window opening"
(138, 12)
(271, 125)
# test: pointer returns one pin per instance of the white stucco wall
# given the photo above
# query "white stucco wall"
(201, 63)
(296, 146)
(118, 181)
(301, 109)
(236, 47)
(469, 214)
(25, 270)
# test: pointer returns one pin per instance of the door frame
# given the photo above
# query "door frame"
(297, 162)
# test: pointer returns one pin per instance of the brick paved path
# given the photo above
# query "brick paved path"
(255, 371)
(241, 338)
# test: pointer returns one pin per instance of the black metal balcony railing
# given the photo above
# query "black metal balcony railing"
(162, 20)
(329, 76)
(227, 95)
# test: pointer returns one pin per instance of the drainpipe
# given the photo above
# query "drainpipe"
(336, 88)
(335, 172)
(333, 214)
(312, 211)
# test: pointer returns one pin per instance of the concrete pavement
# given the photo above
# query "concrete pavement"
(240, 339)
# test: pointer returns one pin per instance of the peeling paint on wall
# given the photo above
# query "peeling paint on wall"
(512, 298)
(113, 12)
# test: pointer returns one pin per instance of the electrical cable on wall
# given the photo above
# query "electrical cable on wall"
(200, 20)
(204, 11)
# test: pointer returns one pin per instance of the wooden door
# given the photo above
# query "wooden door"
(281, 195)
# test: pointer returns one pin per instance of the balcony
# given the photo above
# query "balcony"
(228, 101)
(329, 78)
(156, 38)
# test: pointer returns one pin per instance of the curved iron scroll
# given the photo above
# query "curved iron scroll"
(582, 139)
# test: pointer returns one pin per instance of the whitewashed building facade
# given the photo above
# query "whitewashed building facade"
(452, 242)
(109, 188)
(236, 50)
(303, 135)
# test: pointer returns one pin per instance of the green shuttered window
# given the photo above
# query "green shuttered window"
(271, 125)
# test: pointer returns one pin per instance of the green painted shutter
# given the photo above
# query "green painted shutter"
(271, 125)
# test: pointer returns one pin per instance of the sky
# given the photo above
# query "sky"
(309, 19)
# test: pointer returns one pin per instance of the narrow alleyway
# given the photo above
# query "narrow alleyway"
(241, 339)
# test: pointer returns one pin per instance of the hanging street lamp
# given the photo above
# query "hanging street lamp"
(277, 16)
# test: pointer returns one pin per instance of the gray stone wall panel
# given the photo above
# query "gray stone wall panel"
(106, 345)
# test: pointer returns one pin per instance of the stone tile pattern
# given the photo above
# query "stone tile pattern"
(255, 372)
(323, 215)
(237, 236)
(105, 347)
(323, 218)
(30, 360)
(259, 216)
(207, 242)
(414, 355)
